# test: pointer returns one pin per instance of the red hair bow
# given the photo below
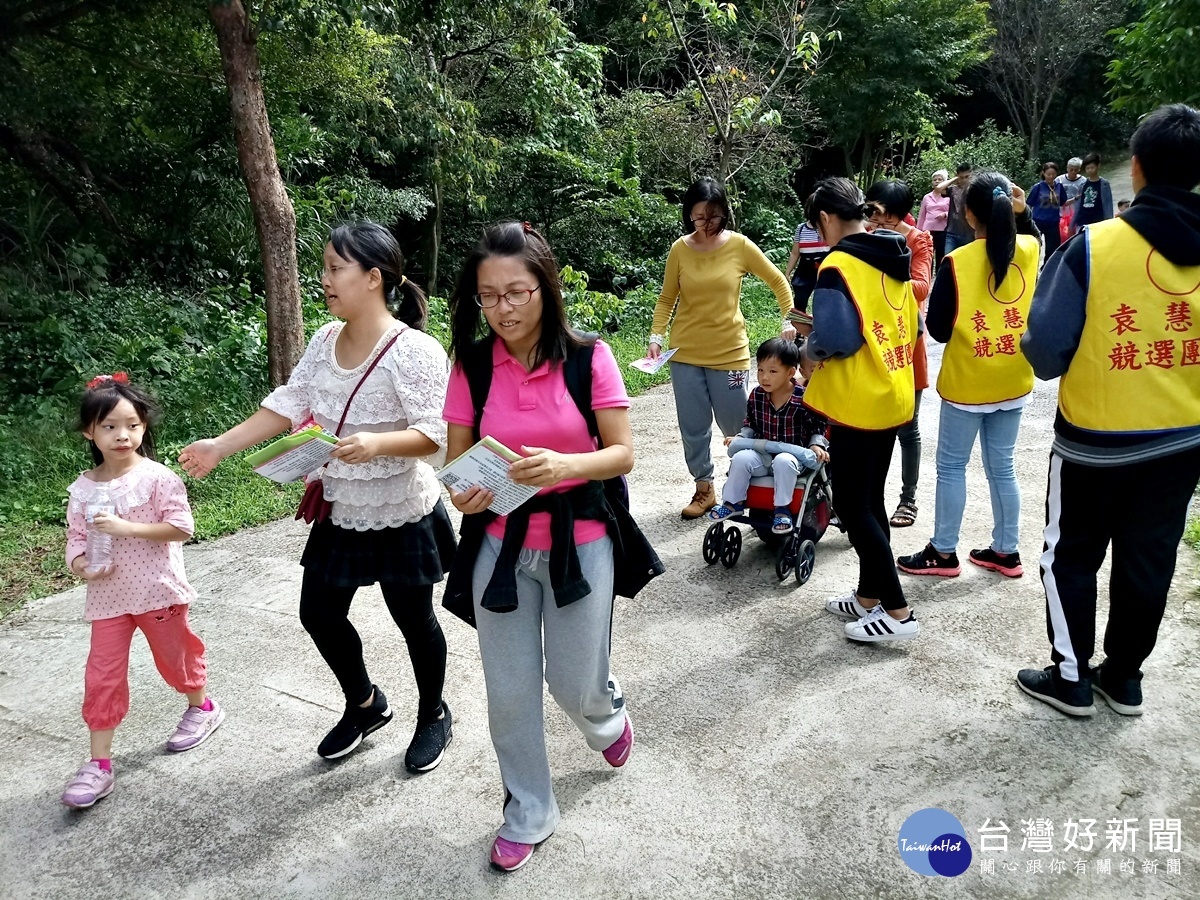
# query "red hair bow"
(118, 377)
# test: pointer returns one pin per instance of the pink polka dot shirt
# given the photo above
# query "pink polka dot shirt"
(147, 575)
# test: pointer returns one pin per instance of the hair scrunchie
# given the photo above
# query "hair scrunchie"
(118, 377)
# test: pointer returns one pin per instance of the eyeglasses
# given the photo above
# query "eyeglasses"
(512, 298)
(701, 220)
(333, 270)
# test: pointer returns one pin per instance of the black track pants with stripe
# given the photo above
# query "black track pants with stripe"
(1141, 509)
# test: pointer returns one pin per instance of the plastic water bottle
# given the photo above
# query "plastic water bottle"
(99, 545)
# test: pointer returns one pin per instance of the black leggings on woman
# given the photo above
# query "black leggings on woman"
(324, 612)
(860, 467)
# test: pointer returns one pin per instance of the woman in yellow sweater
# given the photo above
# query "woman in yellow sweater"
(701, 290)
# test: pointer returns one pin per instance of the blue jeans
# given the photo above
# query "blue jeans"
(954, 241)
(997, 439)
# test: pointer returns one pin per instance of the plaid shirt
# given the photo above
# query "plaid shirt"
(793, 424)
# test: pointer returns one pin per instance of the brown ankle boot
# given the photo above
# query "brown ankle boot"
(703, 500)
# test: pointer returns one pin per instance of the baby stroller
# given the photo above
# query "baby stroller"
(811, 508)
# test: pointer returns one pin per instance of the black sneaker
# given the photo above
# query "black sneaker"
(930, 562)
(1007, 564)
(429, 742)
(356, 724)
(1071, 697)
(1124, 695)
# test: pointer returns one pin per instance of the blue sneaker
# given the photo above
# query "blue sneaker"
(725, 510)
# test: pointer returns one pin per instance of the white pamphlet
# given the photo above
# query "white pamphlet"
(292, 457)
(651, 366)
(486, 464)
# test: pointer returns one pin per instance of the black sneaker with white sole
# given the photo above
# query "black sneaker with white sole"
(356, 723)
(1071, 697)
(1123, 695)
(429, 742)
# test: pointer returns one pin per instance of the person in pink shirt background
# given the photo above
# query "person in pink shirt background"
(143, 588)
(547, 568)
(935, 209)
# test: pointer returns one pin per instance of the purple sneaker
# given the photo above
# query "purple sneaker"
(91, 783)
(195, 727)
(618, 752)
(508, 856)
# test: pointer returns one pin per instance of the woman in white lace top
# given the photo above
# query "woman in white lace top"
(387, 523)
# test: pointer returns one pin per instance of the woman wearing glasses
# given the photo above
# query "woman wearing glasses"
(378, 373)
(540, 580)
(700, 303)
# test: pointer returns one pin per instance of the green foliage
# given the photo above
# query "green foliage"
(1157, 57)
(988, 148)
(884, 80)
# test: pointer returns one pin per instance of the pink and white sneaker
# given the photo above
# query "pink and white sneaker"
(618, 752)
(90, 784)
(508, 856)
(195, 727)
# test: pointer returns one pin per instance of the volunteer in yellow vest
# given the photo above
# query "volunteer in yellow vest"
(978, 307)
(1117, 316)
(865, 324)
(701, 293)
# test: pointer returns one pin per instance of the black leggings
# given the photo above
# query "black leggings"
(861, 461)
(324, 613)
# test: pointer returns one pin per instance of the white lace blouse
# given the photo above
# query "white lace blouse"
(406, 390)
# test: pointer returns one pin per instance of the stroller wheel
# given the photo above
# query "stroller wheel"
(714, 540)
(785, 557)
(806, 560)
(733, 548)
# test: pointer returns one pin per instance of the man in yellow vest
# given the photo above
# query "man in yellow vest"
(1117, 316)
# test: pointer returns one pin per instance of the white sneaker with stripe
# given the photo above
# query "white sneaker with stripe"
(877, 625)
(846, 607)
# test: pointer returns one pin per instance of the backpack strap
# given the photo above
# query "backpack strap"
(478, 369)
(577, 372)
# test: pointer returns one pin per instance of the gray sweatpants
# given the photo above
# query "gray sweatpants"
(701, 394)
(577, 638)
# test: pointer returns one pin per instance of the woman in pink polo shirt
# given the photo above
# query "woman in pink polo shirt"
(541, 578)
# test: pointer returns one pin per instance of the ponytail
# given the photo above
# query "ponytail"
(989, 198)
(838, 197)
(408, 303)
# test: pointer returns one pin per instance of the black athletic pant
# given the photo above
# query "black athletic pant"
(324, 612)
(939, 248)
(860, 467)
(1141, 509)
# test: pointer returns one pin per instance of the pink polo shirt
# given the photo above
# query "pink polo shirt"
(534, 409)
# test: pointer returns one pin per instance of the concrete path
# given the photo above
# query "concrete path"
(774, 758)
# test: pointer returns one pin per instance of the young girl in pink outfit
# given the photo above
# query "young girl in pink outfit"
(143, 587)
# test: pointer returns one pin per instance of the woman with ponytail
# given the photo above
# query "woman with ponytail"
(378, 382)
(865, 327)
(978, 308)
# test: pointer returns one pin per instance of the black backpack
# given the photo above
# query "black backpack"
(636, 561)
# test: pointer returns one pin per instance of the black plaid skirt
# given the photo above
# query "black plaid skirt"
(417, 553)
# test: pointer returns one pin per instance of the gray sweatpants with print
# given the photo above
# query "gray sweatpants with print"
(701, 394)
(576, 649)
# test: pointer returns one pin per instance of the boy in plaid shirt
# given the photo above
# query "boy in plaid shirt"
(792, 436)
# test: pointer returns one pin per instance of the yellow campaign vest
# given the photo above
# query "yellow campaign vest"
(983, 362)
(1137, 367)
(873, 389)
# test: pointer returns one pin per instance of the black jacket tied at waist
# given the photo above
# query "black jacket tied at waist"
(566, 576)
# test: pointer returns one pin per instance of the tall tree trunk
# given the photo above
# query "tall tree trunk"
(435, 237)
(274, 217)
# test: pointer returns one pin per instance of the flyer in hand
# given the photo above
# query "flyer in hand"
(486, 464)
(291, 458)
(651, 366)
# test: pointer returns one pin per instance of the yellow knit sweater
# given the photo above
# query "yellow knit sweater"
(708, 327)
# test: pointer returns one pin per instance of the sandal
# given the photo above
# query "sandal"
(904, 516)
